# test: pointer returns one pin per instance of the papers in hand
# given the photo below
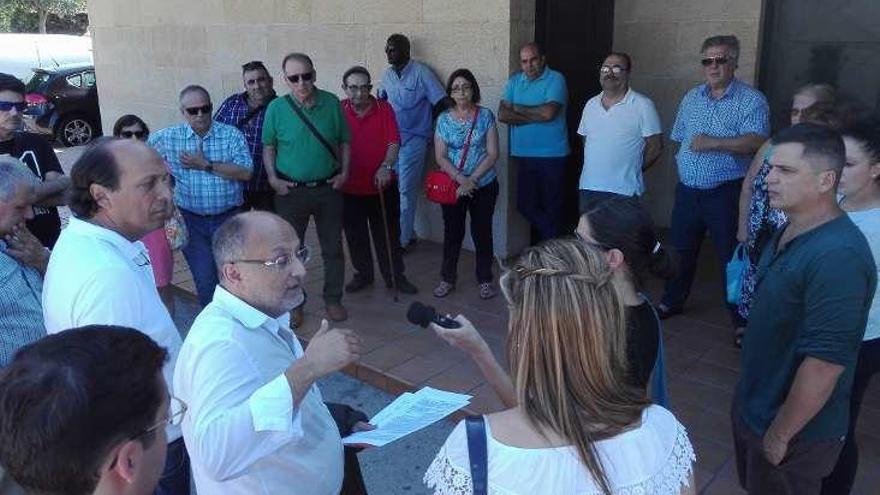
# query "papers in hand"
(407, 414)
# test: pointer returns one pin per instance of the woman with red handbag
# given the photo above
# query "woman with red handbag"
(466, 148)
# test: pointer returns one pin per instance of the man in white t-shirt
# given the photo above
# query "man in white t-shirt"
(622, 136)
(99, 272)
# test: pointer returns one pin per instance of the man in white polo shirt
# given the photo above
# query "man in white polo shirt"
(99, 272)
(621, 133)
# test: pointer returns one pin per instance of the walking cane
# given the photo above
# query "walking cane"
(388, 243)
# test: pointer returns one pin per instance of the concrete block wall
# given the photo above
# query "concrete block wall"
(663, 38)
(146, 51)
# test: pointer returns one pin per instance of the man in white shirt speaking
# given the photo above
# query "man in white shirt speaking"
(99, 272)
(621, 132)
(258, 424)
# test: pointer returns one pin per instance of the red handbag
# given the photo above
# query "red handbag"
(440, 188)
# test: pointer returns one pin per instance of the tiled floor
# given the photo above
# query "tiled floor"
(702, 364)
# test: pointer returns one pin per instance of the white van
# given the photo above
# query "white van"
(21, 53)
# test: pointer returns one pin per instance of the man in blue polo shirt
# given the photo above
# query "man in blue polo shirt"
(720, 124)
(416, 96)
(815, 283)
(533, 106)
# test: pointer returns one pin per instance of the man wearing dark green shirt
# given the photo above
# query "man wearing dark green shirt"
(815, 282)
(307, 171)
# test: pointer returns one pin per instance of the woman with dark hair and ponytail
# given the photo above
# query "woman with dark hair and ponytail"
(625, 232)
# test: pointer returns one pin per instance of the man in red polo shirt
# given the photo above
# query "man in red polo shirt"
(375, 142)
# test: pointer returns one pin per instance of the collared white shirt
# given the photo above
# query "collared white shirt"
(614, 143)
(97, 277)
(243, 431)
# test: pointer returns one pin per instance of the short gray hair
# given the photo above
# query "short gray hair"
(229, 241)
(728, 40)
(299, 57)
(13, 174)
(193, 87)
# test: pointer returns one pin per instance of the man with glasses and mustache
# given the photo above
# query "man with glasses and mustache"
(211, 163)
(257, 423)
(720, 124)
(306, 154)
(39, 157)
(100, 427)
(99, 272)
(621, 131)
(375, 143)
(246, 111)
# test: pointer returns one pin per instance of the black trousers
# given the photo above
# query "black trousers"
(840, 481)
(346, 417)
(481, 207)
(259, 200)
(362, 217)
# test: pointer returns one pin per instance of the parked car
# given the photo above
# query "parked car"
(63, 102)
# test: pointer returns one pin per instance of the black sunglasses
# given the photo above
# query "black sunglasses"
(714, 60)
(306, 77)
(204, 109)
(6, 106)
(131, 134)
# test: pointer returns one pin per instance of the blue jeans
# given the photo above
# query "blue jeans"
(175, 478)
(539, 199)
(695, 212)
(410, 168)
(198, 253)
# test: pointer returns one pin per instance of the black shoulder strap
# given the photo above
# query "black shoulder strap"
(311, 126)
(476, 437)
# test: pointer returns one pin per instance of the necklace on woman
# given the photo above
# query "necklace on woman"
(464, 115)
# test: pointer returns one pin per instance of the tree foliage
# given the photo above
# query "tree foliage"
(42, 9)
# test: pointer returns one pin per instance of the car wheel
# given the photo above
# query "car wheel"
(75, 130)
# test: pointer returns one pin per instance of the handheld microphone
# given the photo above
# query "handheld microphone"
(422, 315)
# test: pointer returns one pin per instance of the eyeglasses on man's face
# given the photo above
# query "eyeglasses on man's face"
(707, 61)
(303, 254)
(612, 69)
(133, 134)
(203, 110)
(19, 106)
(363, 88)
(305, 77)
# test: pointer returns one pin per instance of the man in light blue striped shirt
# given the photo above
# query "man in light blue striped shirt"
(211, 163)
(22, 262)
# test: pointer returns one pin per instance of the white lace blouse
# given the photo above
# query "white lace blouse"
(654, 459)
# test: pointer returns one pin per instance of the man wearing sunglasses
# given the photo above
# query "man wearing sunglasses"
(246, 112)
(258, 425)
(211, 163)
(99, 272)
(720, 124)
(39, 157)
(621, 131)
(306, 154)
(100, 427)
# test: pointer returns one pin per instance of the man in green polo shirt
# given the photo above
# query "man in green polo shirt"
(307, 165)
(815, 282)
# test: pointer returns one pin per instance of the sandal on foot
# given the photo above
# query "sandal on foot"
(487, 291)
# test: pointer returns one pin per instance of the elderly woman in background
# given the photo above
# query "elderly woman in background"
(161, 258)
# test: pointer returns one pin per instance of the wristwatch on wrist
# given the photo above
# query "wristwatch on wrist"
(210, 167)
(388, 167)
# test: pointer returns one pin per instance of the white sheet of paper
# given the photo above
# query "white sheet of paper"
(407, 414)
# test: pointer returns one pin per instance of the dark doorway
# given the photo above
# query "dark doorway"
(820, 41)
(576, 36)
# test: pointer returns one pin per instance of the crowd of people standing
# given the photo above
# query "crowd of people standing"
(234, 408)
